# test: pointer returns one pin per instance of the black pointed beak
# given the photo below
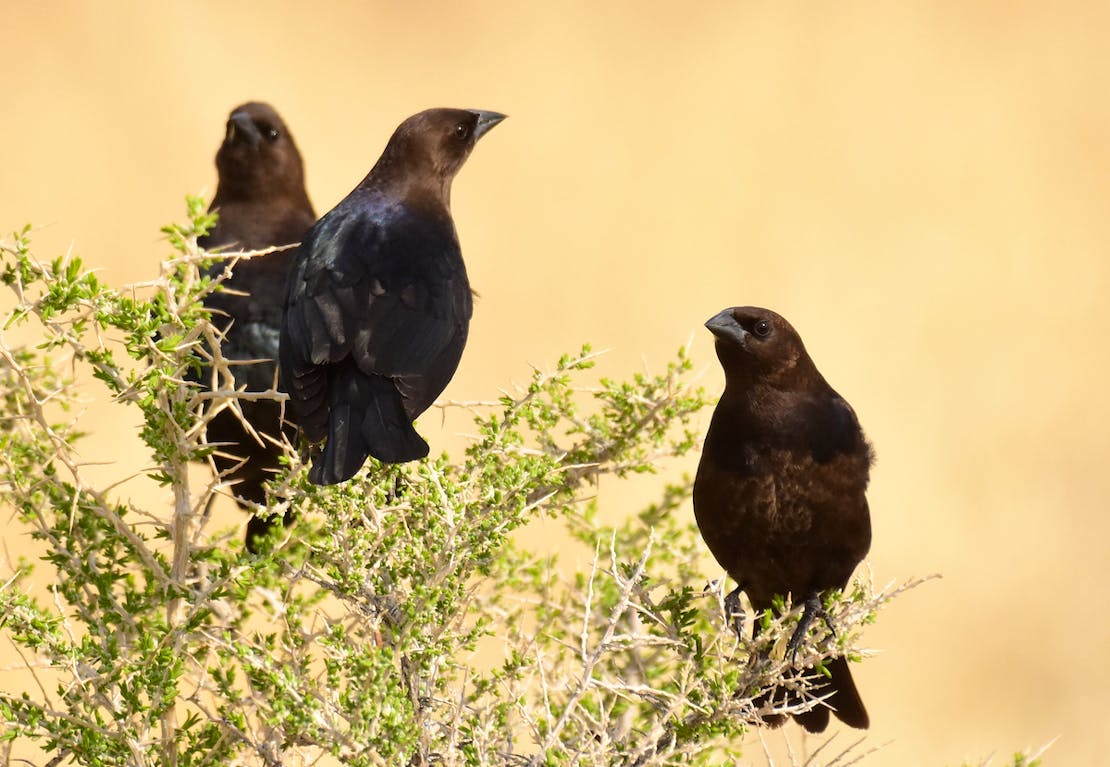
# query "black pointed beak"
(725, 327)
(240, 127)
(486, 120)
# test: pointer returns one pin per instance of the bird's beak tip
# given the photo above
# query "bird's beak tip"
(241, 123)
(724, 325)
(720, 319)
(486, 121)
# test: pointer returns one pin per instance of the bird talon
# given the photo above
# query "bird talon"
(734, 611)
(812, 609)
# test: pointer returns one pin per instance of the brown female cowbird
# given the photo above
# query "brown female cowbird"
(378, 303)
(261, 201)
(780, 490)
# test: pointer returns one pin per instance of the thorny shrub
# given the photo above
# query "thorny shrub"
(364, 634)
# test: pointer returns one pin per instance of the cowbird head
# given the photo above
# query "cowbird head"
(758, 344)
(258, 157)
(427, 150)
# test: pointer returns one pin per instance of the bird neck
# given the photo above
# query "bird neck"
(261, 189)
(408, 171)
(417, 191)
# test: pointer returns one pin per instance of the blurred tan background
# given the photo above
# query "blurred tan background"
(920, 187)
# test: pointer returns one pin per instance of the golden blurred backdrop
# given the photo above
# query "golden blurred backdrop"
(920, 187)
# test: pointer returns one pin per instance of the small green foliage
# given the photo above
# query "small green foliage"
(183, 237)
(399, 621)
(1019, 759)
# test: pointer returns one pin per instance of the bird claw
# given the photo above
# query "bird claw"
(813, 608)
(734, 612)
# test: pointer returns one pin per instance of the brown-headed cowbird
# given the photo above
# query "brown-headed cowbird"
(261, 201)
(378, 303)
(779, 495)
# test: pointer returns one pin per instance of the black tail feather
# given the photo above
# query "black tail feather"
(259, 528)
(367, 419)
(386, 427)
(845, 701)
(842, 699)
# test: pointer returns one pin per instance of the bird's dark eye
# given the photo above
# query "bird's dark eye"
(272, 133)
(462, 131)
(762, 328)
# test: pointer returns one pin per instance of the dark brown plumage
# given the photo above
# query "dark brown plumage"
(261, 201)
(780, 490)
(378, 304)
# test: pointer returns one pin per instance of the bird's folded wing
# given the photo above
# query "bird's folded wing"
(395, 304)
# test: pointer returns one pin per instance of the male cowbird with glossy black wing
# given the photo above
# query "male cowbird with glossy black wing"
(261, 202)
(780, 490)
(378, 303)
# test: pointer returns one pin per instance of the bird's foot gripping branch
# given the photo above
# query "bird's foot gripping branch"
(400, 620)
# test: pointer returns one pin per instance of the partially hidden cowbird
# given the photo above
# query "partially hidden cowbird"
(779, 495)
(261, 201)
(378, 303)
